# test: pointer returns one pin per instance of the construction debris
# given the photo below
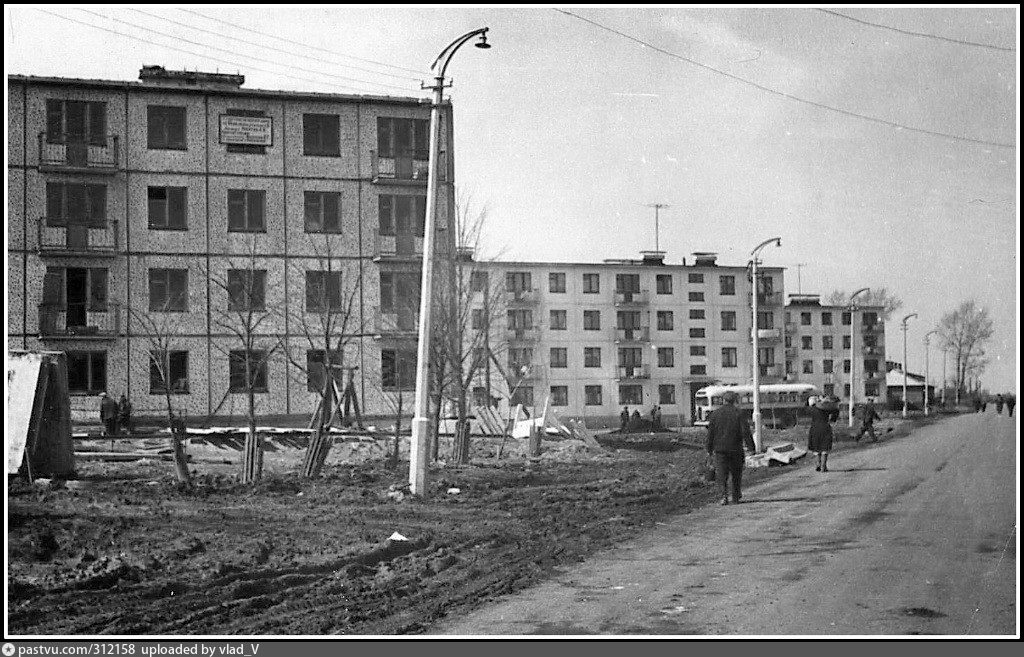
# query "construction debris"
(779, 453)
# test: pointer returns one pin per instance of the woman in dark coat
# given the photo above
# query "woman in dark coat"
(819, 437)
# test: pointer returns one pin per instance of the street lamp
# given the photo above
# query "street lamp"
(418, 445)
(853, 361)
(753, 331)
(943, 374)
(904, 324)
(926, 350)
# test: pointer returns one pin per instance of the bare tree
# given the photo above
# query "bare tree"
(880, 296)
(245, 317)
(328, 322)
(964, 332)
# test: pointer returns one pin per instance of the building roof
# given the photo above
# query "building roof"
(894, 379)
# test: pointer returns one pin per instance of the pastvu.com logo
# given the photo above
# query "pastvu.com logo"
(8, 649)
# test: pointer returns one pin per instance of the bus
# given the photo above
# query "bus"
(781, 403)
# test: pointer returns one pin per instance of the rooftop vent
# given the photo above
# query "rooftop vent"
(704, 258)
(159, 75)
(653, 257)
(805, 299)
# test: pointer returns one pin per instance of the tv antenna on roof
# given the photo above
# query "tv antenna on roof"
(657, 208)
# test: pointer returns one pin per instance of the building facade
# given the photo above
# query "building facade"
(818, 341)
(184, 207)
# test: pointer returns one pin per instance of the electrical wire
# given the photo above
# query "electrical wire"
(783, 94)
(962, 42)
(195, 54)
(299, 43)
(267, 47)
(238, 54)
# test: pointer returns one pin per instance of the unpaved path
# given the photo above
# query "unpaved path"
(912, 536)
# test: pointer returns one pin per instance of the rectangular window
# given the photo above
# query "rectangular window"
(696, 333)
(323, 291)
(257, 371)
(477, 318)
(846, 390)
(871, 366)
(403, 139)
(168, 208)
(591, 283)
(321, 135)
(520, 320)
(316, 369)
(520, 358)
(869, 318)
(168, 290)
(591, 320)
(76, 290)
(666, 357)
(559, 395)
(846, 366)
(592, 396)
(523, 395)
(322, 211)
(665, 320)
(76, 204)
(765, 319)
(518, 281)
(697, 313)
(827, 366)
(699, 370)
(727, 286)
(246, 210)
(846, 319)
(76, 122)
(808, 367)
(87, 372)
(729, 357)
(696, 296)
(627, 320)
(826, 342)
(627, 283)
(826, 319)
(728, 320)
(870, 341)
(788, 341)
(478, 281)
(805, 319)
(829, 389)
(870, 390)
(591, 356)
(558, 320)
(846, 342)
(695, 278)
(400, 293)
(247, 289)
(165, 128)
(806, 342)
(663, 283)
(631, 357)
(766, 356)
(401, 215)
(698, 350)
(559, 357)
(168, 372)
(398, 369)
(631, 395)
(556, 283)
(666, 394)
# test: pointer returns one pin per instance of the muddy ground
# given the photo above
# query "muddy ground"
(125, 551)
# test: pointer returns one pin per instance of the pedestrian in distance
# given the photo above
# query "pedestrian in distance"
(1011, 401)
(984, 404)
(624, 420)
(867, 415)
(108, 415)
(124, 415)
(819, 436)
(999, 404)
(728, 436)
(635, 420)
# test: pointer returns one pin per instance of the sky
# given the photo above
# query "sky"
(565, 132)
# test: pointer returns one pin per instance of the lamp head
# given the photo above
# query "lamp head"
(482, 43)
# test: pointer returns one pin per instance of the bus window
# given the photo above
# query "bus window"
(716, 401)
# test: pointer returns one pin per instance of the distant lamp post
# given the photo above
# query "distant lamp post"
(757, 365)
(926, 350)
(943, 400)
(904, 326)
(851, 306)
(418, 445)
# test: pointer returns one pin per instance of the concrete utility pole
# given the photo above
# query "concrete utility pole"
(418, 445)
(904, 324)
(853, 361)
(657, 207)
(926, 350)
(754, 338)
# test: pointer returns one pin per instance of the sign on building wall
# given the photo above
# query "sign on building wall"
(247, 130)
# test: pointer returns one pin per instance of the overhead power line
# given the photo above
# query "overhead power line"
(196, 54)
(783, 94)
(239, 54)
(299, 43)
(268, 47)
(962, 42)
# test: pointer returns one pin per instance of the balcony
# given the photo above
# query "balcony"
(398, 248)
(771, 373)
(78, 322)
(78, 240)
(763, 299)
(57, 153)
(877, 327)
(791, 328)
(528, 372)
(792, 352)
(395, 324)
(874, 376)
(531, 334)
(872, 351)
(631, 298)
(628, 372)
(522, 297)
(404, 169)
(769, 335)
(639, 334)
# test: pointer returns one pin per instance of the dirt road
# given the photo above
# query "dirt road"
(915, 536)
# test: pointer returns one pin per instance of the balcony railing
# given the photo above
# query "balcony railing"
(80, 322)
(630, 298)
(405, 168)
(771, 373)
(522, 296)
(523, 334)
(872, 351)
(639, 334)
(770, 299)
(791, 328)
(633, 372)
(528, 372)
(56, 152)
(769, 335)
(877, 327)
(398, 247)
(78, 239)
(396, 324)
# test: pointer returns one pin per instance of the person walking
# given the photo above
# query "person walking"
(108, 415)
(624, 420)
(728, 435)
(999, 404)
(819, 436)
(867, 414)
(1011, 401)
(124, 414)
(635, 421)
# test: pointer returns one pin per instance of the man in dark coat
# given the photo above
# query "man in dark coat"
(624, 420)
(728, 435)
(1011, 401)
(124, 415)
(108, 414)
(999, 404)
(867, 415)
